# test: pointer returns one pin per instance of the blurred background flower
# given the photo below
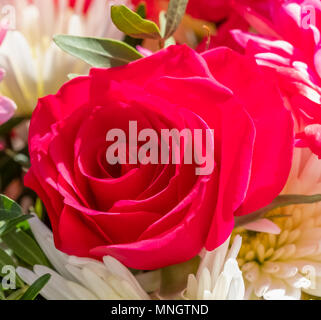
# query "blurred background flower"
(286, 39)
(7, 106)
(34, 65)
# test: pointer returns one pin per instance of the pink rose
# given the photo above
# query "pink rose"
(153, 215)
(288, 41)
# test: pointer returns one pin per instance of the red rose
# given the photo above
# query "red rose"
(153, 215)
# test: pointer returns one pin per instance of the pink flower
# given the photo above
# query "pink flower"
(289, 42)
(153, 215)
(7, 106)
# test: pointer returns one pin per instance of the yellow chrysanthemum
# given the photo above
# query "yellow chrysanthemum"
(283, 266)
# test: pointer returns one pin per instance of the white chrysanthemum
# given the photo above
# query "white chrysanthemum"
(281, 266)
(218, 276)
(80, 278)
(34, 65)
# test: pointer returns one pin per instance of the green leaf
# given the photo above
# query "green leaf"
(6, 260)
(25, 247)
(11, 224)
(280, 201)
(133, 24)
(2, 296)
(100, 53)
(9, 209)
(175, 14)
(141, 10)
(17, 294)
(36, 287)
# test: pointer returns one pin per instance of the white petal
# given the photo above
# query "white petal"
(262, 284)
(276, 290)
(48, 292)
(315, 288)
(102, 289)
(263, 225)
(81, 292)
(119, 270)
(204, 283)
(44, 238)
(237, 288)
(56, 281)
(214, 261)
(191, 290)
